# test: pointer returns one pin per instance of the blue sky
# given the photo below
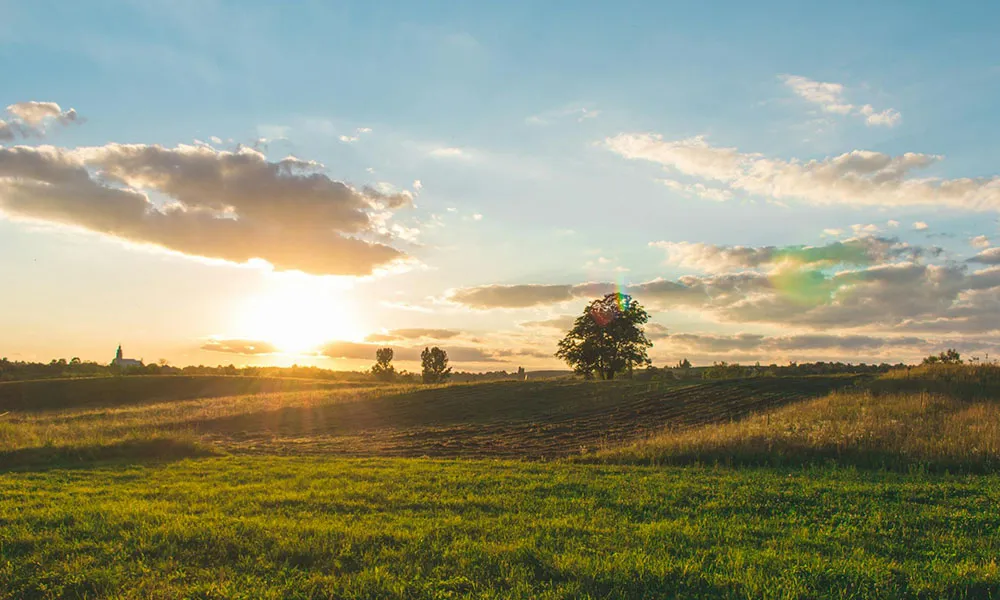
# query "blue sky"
(520, 122)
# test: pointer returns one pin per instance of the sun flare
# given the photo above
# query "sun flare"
(299, 315)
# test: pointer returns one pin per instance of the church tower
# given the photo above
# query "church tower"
(118, 355)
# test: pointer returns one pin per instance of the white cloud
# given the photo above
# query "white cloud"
(698, 189)
(581, 113)
(450, 152)
(834, 232)
(920, 225)
(273, 132)
(860, 177)
(859, 228)
(980, 241)
(32, 119)
(830, 98)
(477, 217)
(350, 139)
(235, 206)
(888, 117)
(893, 223)
(417, 185)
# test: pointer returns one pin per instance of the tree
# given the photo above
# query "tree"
(435, 365)
(608, 338)
(950, 357)
(684, 364)
(383, 369)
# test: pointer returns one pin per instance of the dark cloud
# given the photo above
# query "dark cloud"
(656, 331)
(560, 322)
(990, 256)
(366, 351)
(863, 250)
(247, 347)
(396, 335)
(234, 206)
(908, 295)
(526, 295)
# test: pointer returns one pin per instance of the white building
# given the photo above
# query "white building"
(125, 362)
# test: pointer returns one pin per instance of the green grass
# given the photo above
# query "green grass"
(266, 527)
(824, 487)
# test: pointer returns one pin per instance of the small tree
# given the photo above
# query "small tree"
(383, 369)
(949, 357)
(607, 339)
(684, 364)
(435, 365)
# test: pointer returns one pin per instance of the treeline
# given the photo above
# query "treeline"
(727, 370)
(61, 368)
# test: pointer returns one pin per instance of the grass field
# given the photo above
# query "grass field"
(266, 527)
(809, 487)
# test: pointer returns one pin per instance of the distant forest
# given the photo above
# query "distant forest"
(61, 368)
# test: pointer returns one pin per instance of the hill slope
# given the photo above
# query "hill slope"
(533, 419)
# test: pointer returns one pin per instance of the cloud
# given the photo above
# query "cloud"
(450, 152)
(560, 322)
(698, 189)
(990, 256)
(525, 295)
(860, 177)
(920, 226)
(747, 342)
(31, 119)
(903, 296)
(656, 331)
(234, 206)
(886, 118)
(718, 259)
(980, 241)
(581, 113)
(245, 347)
(364, 351)
(830, 98)
(350, 139)
(413, 334)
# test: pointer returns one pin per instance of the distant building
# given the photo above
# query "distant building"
(125, 362)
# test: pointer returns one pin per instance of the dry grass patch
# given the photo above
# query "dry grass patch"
(863, 429)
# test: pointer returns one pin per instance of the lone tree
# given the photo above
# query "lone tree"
(435, 365)
(607, 339)
(383, 369)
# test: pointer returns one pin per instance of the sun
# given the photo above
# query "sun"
(297, 315)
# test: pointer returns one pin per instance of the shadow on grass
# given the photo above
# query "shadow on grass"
(158, 449)
(959, 390)
(106, 392)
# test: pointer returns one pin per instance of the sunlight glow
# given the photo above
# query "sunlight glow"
(300, 313)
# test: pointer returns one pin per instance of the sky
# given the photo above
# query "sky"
(213, 182)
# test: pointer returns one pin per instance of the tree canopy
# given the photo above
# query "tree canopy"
(435, 365)
(383, 369)
(608, 338)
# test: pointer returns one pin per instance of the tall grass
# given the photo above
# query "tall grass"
(863, 429)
